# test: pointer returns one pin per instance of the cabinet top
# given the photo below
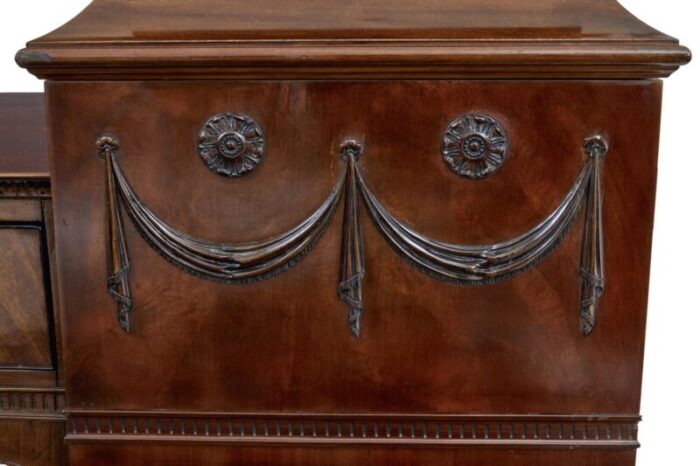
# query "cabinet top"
(171, 39)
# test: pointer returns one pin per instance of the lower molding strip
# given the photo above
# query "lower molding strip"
(508, 431)
(32, 404)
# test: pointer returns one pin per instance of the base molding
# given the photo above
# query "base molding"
(495, 431)
(32, 404)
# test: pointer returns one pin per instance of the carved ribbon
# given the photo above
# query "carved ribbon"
(592, 273)
(456, 263)
(118, 258)
(353, 260)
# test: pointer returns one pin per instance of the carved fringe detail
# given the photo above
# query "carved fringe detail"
(353, 260)
(477, 265)
(228, 263)
(118, 258)
(592, 273)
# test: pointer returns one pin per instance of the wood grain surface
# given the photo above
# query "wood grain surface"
(24, 334)
(282, 345)
(23, 149)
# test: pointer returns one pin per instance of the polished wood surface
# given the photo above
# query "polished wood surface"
(133, 455)
(271, 221)
(218, 353)
(23, 149)
(32, 425)
(22, 210)
(146, 21)
(24, 340)
(31, 443)
(369, 39)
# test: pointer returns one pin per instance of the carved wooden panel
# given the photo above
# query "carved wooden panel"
(354, 181)
(24, 328)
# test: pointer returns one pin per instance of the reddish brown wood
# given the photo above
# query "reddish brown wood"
(282, 346)
(31, 443)
(23, 137)
(32, 425)
(23, 313)
(138, 455)
(141, 20)
(372, 39)
(259, 373)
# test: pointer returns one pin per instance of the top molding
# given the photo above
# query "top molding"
(317, 39)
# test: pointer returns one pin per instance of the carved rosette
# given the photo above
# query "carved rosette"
(474, 146)
(231, 144)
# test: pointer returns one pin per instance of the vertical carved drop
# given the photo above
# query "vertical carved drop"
(353, 259)
(118, 254)
(592, 273)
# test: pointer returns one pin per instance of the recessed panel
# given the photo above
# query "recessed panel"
(24, 337)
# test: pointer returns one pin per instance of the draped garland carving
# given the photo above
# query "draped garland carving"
(461, 264)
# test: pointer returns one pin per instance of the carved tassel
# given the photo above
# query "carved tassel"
(353, 268)
(118, 257)
(592, 273)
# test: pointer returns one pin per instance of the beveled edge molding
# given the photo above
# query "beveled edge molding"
(348, 59)
(304, 429)
(24, 188)
(43, 404)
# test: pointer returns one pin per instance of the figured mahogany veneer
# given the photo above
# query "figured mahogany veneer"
(368, 233)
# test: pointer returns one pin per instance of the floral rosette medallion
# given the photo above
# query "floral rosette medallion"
(474, 146)
(231, 144)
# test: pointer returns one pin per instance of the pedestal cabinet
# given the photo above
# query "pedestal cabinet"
(369, 232)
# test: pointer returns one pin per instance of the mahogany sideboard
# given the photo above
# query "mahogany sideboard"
(32, 424)
(368, 232)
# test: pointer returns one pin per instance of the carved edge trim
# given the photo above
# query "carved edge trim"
(317, 429)
(32, 404)
(25, 188)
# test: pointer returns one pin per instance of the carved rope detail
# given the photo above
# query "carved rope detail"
(456, 263)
